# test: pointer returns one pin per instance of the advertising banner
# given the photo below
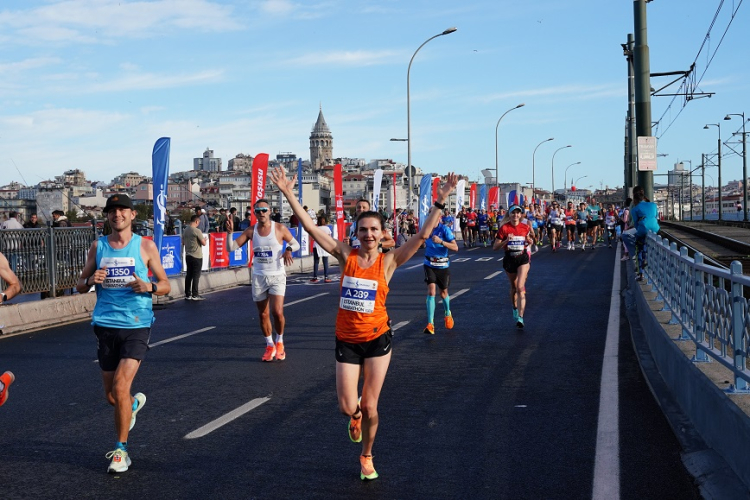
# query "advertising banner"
(160, 175)
(239, 256)
(435, 184)
(494, 197)
(377, 183)
(219, 253)
(338, 189)
(171, 255)
(425, 198)
(260, 170)
(483, 197)
(460, 195)
(473, 196)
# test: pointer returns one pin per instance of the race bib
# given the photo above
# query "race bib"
(516, 244)
(120, 272)
(358, 295)
(484, 228)
(556, 221)
(263, 255)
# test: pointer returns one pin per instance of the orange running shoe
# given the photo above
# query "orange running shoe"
(449, 321)
(355, 429)
(280, 352)
(367, 468)
(269, 354)
(429, 329)
(6, 378)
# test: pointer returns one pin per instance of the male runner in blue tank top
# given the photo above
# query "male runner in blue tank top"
(118, 265)
(437, 273)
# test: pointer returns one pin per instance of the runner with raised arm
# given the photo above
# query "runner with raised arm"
(363, 334)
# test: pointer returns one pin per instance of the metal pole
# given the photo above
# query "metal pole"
(703, 187)
(533, 166)
(553, 170)
(721, 209)
(744, 170)
(641, 69)
(630, 152)
(497, 177)
(408, 112)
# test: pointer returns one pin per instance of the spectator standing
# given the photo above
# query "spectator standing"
(203, 223)
(32, 223)
(276, 217)
(59, 219)
(12, 222)
(310, 212)
(246, 222)
(643, 218)
(319, 253)
(235, 219)
(193, 240)
(226, 224)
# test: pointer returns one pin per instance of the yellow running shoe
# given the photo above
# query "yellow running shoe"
(429, 329)
(367, 468)
(449, 321)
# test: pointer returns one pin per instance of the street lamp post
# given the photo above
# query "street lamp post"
(497, 178)
(744, 162)
(565, 179)
(533, 167)
(718, 162)
(576, 181)
(408, 110)
(553, 169)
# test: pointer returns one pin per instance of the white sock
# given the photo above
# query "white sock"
(280, 338)
(269, 340)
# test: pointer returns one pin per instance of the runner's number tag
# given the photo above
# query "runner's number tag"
(358, 295)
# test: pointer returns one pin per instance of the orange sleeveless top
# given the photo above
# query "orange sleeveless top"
(362, 316)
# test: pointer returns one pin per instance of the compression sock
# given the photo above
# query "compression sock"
(431, 309)
(121, 446)
(269, 340)
(447, 305)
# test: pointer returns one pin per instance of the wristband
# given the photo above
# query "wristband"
(441, 206)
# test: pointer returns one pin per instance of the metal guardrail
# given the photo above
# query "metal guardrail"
(707, 302)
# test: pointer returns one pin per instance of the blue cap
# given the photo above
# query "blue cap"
(515, 207)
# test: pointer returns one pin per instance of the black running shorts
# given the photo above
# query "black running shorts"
(440, 276)
(355, 354)
(511, 264)
(114, 344)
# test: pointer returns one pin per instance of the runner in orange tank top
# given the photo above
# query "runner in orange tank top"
(363, 337)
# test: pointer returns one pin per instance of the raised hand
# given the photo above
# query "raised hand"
(278, 176)
(448, 186)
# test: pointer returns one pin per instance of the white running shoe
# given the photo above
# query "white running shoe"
(120, 461)
(141, 398)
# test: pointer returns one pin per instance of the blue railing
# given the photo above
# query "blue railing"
(709, 303)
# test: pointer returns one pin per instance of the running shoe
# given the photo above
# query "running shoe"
(280, 352)
(199, 297)
(626, 257)
(328, 280)
(140, 398)
(449, 321)
(120, 461)
(367, 468)
(6, 378)
(519, 323)
(429, 329)
(355, 427)
(515, 313)
(314, 280)
(269, 354)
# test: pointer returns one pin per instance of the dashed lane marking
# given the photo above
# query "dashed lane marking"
(306, 299)
(178, 337)
(225, 419)
(412, 267)
(398, 325)
(493, 275)
(458, 293)
(460, 259)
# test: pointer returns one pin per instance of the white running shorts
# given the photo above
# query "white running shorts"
(263, 286)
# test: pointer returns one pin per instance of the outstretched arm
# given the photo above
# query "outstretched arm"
(408, 249)
(336, 248)
(7, 274)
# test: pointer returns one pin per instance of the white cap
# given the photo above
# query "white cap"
(203, 210)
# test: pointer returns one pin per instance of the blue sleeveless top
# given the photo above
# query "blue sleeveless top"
(117, 305)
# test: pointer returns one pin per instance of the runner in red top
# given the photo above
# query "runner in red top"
(515, 237)
(363, 334)
(471, 225)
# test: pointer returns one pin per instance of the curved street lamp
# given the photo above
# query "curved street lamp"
(565, 179)
(408, 110)
(533, 167)
(553, 168)
(497, 178)
(576, 181)
(718, 162)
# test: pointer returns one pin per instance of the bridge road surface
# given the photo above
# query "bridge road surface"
(482, 411)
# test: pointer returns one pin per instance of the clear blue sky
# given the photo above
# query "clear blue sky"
(92, 84)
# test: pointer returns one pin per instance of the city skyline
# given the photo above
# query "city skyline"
(93, 84)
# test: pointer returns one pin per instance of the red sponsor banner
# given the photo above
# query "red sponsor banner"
(395, 221)
(494, 197)
(338, 189)
(218, 254)
(473, 196)
(435, 184)
(260, 170)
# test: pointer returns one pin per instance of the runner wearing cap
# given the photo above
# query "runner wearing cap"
(515, 237)
(570, 225)
(118, 265)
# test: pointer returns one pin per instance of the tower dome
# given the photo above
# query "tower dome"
(321, 144)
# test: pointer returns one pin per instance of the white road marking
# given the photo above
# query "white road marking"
(484, 259)
(166, 341)
(607, 460)
(493, 275)
(458, 293)
(412, 267)
(472, 249)
(306, 299)
(225, 419)
(399, 325)
(460, 259)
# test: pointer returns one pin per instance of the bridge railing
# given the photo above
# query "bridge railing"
(708, 302)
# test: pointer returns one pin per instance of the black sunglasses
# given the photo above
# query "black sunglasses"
(261, 210)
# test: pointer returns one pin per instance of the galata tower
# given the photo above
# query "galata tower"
(321, 144)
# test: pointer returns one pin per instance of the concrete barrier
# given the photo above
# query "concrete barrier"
(31, 316)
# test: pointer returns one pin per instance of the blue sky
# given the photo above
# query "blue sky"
(92, 84)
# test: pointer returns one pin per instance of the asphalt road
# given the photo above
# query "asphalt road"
(482, 411)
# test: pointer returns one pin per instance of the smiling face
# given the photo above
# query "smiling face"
(120, 219)
(361, 206)
(262, 212)
(369, 232)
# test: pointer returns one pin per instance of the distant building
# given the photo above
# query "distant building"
(241, 163)
(321, 144)
(207, 162)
